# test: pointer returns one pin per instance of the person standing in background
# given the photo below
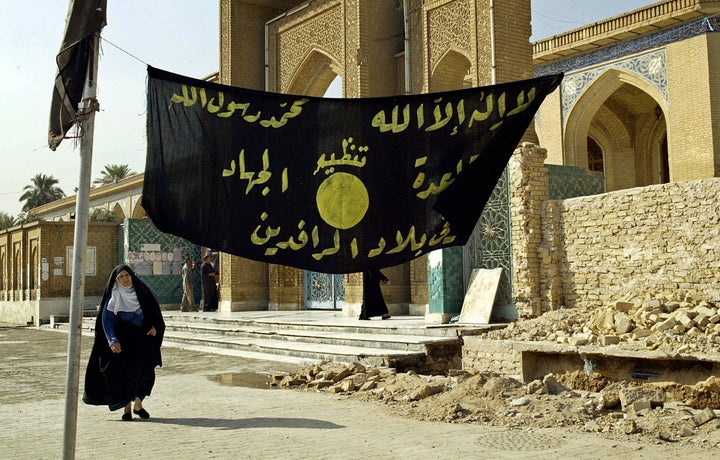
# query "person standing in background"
(209, 283)
(188, 298)
(373, 301)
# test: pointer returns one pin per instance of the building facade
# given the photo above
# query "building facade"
(639, 107)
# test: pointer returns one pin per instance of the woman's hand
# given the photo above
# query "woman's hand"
(152, 331)
(116, 348)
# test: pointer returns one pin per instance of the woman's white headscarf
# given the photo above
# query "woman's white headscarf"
(123, 299)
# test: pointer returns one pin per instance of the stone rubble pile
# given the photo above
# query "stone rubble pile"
(656, 322)
(668, 412)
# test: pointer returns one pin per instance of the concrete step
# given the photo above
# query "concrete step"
(308, 351)
(326, 335)
(351, 325)
(378, 344)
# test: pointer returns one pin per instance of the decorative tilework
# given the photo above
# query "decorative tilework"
(572, 181)
(650, 66)
(490, 245)
(629, 47)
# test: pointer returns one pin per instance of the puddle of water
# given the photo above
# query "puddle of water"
(244, 379)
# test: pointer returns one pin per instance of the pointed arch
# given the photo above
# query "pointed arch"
(34, 269)
(17, 273)
(138, 211)
(3, 269)
(314, 74)
(118, 211)
(451, 72)
(620, 111)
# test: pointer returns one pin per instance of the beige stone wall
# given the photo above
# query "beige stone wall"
(32, 291)
(714, 94)
(242, 43)
(494, 355)
(528, 190)
(548, 126)
(662, 239)
(690, 139)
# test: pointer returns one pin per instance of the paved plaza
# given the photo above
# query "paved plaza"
(199, 411)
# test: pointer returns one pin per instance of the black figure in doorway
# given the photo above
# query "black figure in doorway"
(373, 302)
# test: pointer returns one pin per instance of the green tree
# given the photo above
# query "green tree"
(26, 218)
(43, 190)
(6, 220)
(113, 173)
(103, 215)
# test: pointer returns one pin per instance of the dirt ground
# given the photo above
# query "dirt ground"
(491, 399)
(621, 410)
(217, 405)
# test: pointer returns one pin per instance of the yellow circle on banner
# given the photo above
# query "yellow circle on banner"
(342, 200)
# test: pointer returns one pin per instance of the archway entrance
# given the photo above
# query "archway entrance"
(316, 78)
(618, 127)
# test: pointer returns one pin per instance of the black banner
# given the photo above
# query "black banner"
(328, 185)
(85, 18)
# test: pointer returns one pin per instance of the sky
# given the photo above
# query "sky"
(181, 36)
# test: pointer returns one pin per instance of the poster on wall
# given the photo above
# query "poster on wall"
(90, 266)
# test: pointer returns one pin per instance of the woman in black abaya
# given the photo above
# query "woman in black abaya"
(129, 330)
(373, 301)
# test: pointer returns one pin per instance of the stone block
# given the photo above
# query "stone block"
(679, 329)
(623, 323)
(606, 340)
(702, 320)
(341, 374)
(638, 406)
(654, 303)
(426, 391)
(665, 325)
(685, 320)
(709, 312)
(347, 385)
(369, 385)
(624, 307)
(628, 396)
(704, 416)
(640, 333)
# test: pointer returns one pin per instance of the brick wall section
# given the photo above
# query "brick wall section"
(528, 189)
(690, 140)
(35, 263)
(548, 125)
(662, 239)
(714, 96)
(513, 51)
(493, 355)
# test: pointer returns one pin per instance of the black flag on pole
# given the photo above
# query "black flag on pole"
(328, 185)
(85, 18)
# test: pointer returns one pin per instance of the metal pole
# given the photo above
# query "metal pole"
(493, 76)
(406, 23)
(77, 292)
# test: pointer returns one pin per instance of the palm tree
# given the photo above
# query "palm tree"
(114, 173)
(6, 220)
(42, 191)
